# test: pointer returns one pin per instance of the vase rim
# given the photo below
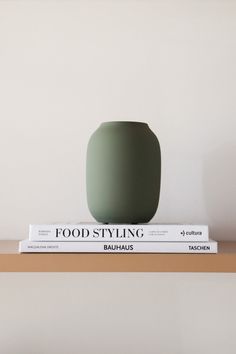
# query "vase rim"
(124, 122)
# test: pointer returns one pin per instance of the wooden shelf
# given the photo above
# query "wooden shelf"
(12, 261)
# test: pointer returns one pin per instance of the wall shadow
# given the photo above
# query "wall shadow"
(219, 188)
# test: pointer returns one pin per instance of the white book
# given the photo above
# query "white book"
(118, 232)
(26, 246)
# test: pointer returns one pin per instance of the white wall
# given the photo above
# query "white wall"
(67, 66)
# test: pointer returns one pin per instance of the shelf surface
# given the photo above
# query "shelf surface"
(12, 261)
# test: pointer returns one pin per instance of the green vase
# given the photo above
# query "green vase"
(123, 173)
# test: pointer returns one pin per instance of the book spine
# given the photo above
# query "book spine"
(117, 247)
(119, 233)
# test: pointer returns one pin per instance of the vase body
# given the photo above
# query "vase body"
(123, 173)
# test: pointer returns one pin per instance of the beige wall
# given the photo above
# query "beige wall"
(117, 313)
(64, 68)
(67, 66)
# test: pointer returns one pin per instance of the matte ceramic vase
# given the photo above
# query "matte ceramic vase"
(123, 173)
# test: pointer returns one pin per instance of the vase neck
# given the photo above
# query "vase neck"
(125, 123)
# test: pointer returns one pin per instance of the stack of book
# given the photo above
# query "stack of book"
(120, 238)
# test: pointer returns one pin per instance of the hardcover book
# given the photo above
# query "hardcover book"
(26, 246)
(118, 232)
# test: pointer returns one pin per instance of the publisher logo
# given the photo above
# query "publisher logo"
(191, 233)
